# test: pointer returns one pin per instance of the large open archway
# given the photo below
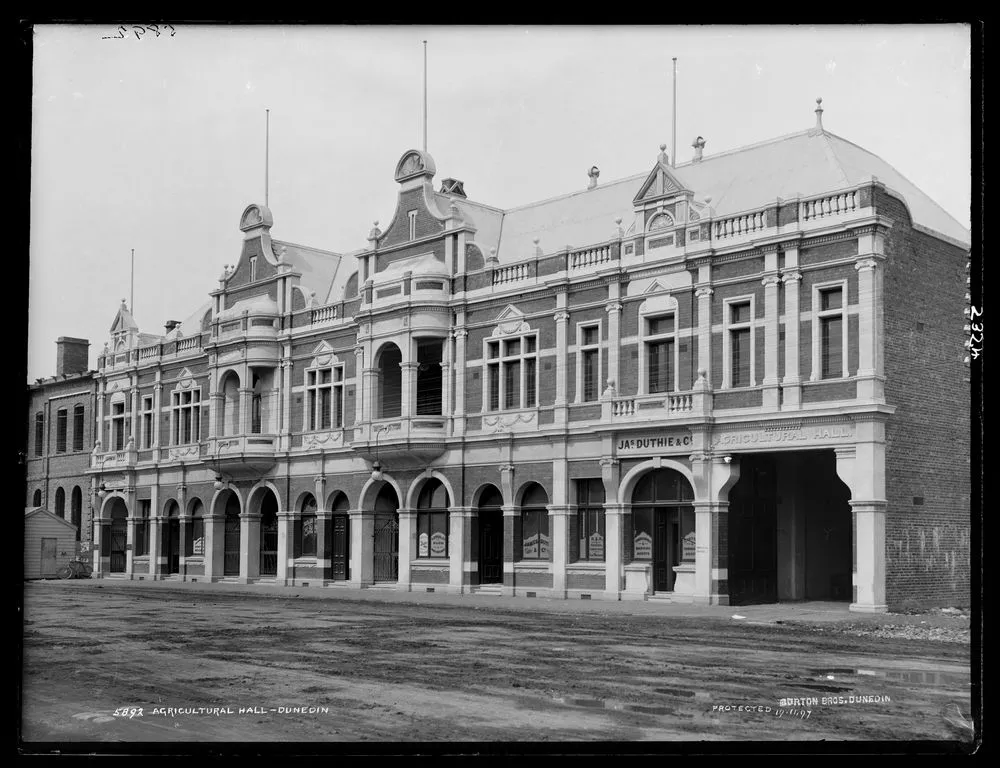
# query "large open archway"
(662, 524)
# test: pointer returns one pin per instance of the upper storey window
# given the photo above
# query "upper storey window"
(829, 331)
(739, 367)
(412, 216)
(512, 372)
(253, 268)
(78, 427)
(186, 416)
(588, 361)
(325, 396)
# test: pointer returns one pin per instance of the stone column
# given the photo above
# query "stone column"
(130, 528)
(369, 378)
(614, 310)
(510, 516)
(704, 296)
(214, 546)
(249, 546)
(713, 478)
(791, 394)
(446, 384)
(771, 381)
(134, 406)
(559, 527)
(407, 547)
(459, 548)
(613, 511)
(323, 547)
(157, 559)
(458, 423)
(562, 359)
(157, 405)
(871, 379)
(286, 544)
(362, 543)
(360, 393)
(862, 468)
(408, 403)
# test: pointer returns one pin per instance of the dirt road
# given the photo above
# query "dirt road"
(225, 667)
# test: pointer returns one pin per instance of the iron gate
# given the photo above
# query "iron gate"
(231, 559)
(386, 550)
(269, 545)
(119, 538)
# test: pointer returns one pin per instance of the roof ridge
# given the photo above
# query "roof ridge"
(744, 148)
(565, 195)
(307, 247)
(902, 176)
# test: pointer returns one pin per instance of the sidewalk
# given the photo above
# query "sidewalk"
(807, 612)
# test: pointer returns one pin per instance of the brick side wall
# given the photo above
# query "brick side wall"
(928, 437)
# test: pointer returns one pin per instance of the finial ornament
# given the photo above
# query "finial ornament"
(819, 115)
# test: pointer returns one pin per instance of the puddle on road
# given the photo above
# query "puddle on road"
(895, 675)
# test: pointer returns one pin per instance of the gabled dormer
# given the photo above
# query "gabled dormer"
(124, 330)
(417, 214)
(662, 210)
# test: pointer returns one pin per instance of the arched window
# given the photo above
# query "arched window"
(36, 499)
(535, 542)
(305, 528)
(231, 404)
(658, 498)
(587, 538)
(76, 509)
(390, 378)
(432, 520)
(60, 502)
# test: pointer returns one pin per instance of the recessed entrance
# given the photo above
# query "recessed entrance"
(339, 539)
(231, 538)
(386, 546)
(268, 535)
(662, 515)
(790, 533)
(490, 537)
(172, 540)
(119, 536)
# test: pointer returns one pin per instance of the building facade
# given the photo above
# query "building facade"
(733, 380)
(60, 438)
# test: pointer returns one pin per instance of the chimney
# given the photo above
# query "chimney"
(72, 355)
(453, 188)
(593, 173)
(699, 145)
(171, 324)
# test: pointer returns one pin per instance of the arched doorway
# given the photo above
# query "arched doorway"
(390, 382)
(386, 548)
(268, 535)
(119, 536)
(76, 509)
(662, 515)
(490, 536)
(338, 539)
(231, 537)
(172, 539)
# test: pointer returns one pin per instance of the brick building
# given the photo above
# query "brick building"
(60, 437)
(736, 379)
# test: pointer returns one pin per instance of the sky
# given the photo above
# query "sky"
(157, 143)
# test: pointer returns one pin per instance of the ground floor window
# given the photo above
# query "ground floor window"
(588, 538)
(432, 520)
(141, 546)
(535, 541)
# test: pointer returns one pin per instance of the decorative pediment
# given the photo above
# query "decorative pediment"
(323, 355)
(256, 215)
(185, 379)
(510, 320)
(414, 163)
(660, 182)
(654, 287)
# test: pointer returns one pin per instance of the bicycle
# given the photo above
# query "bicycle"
(75, 569)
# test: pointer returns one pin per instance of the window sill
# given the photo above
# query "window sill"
(532, 565)
(437, 562)
(305, 560)
(639, 565)
(586, 565)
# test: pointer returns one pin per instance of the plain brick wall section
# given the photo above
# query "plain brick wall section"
(928, 437)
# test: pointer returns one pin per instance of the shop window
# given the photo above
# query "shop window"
(432, 520)
(535, 540)
(589, 523)
(195, 543)
(141, 544)
(305, 528)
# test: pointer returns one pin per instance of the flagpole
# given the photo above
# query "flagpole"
(267, 149)
(673, 146)
(425, 95)
(131, 297)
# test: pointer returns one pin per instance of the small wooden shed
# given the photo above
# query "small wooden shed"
(49, 542)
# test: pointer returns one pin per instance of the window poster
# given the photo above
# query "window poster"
(422, 549)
